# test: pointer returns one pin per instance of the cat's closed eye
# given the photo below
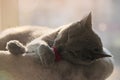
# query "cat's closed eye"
(96, 50)
(73, 53)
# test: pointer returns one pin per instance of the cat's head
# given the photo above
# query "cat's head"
(79, 44)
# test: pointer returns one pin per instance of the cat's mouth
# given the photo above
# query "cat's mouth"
(30, 52)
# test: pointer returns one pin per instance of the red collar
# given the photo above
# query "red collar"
(57, 54)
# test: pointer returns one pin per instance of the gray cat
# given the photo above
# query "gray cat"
(72, 52)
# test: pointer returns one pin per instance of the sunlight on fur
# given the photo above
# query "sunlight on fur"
(71, 52)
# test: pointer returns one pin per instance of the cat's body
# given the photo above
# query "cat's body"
(24, 34)
(81, 51)
(27, 68)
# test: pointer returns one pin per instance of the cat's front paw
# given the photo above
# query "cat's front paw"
(46, 54)
(15, 47)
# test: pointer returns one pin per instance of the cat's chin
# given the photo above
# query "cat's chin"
(83, 63)
(80, 62)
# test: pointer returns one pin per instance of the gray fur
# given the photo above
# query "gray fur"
(83, 56)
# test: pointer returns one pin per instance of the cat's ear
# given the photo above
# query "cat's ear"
(82, 25)
(87, 21)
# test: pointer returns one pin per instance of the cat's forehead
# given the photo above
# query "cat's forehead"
(89, 40)
(82, 35)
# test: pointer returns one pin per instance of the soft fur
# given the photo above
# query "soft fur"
(83, 56)
(23, 34)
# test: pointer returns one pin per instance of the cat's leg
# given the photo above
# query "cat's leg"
(43, 52)
(15, 47)
(40, 48)
(46, 54)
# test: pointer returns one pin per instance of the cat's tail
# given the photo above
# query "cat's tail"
(15, 47)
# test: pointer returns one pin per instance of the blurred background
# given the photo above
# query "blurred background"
(54, 13)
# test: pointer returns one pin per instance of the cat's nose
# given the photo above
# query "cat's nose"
(101, 55)
(105, 53)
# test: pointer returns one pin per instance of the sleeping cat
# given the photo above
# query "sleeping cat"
(74, 50)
